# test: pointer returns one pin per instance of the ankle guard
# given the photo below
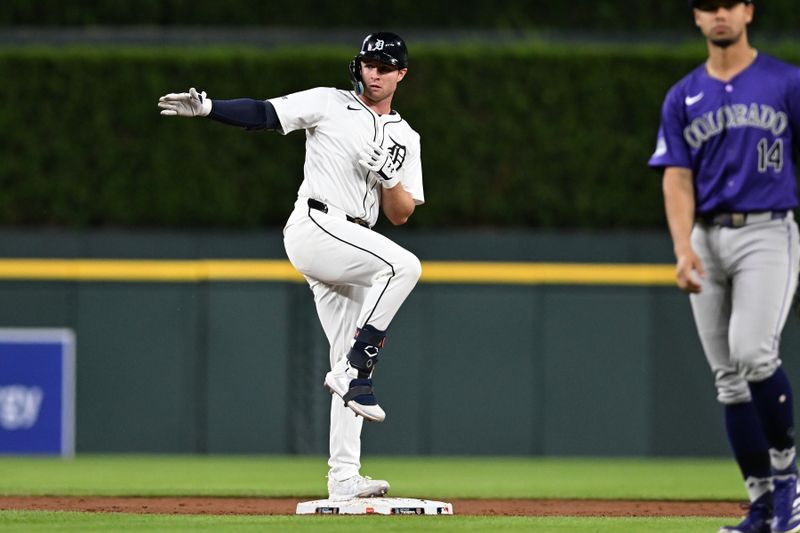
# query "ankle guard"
(364, 354)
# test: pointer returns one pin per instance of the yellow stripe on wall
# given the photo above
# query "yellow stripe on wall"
(192, 271)
(147, 270)
(548, 273)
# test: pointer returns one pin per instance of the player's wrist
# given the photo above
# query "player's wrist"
(388, 182)
(683, 250)
(205, 107)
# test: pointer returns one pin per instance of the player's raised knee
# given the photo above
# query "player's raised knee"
(411, 267)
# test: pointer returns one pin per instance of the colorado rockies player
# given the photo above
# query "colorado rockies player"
(361, 156)
(727, 135)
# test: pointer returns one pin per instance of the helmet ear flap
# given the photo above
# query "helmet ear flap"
(355, 76)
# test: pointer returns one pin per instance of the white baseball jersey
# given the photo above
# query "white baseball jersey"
(358, 276)
(338, 127)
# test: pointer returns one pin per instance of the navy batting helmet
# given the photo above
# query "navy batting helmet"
(383, 46)
(710, 4)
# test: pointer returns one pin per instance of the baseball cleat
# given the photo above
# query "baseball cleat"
(758, 517)
(356, 393)
(357, 487)
(786, 504)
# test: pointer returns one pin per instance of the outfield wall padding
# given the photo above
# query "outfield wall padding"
(236, 367)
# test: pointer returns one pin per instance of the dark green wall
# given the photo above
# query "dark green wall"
(655, 16)
(469, 369)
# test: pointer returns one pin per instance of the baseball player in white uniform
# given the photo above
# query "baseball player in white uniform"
(361, 156)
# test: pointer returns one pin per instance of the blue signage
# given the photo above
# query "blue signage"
(37, 391)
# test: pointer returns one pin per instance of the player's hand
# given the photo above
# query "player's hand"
(191, 104)
(377, 159)
(689, 272)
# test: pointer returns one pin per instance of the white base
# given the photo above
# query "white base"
(395, 506)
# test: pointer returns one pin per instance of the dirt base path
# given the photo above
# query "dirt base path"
(280, 506)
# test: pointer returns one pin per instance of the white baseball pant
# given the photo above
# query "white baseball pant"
(358, 277)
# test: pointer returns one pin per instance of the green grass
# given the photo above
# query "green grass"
(444, 478)
(19, 521)
(441, 478)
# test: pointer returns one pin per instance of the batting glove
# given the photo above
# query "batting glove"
(191, 104)
(377, 159)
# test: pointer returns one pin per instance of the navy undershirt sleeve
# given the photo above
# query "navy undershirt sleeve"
(246, 113)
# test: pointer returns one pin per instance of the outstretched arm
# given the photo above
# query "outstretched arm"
(243, 112)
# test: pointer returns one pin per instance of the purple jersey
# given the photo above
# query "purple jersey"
(738, 137)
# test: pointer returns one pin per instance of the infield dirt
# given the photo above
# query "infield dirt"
(286, 506)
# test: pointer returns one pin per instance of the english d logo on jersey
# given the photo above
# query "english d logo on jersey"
(398, 153)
